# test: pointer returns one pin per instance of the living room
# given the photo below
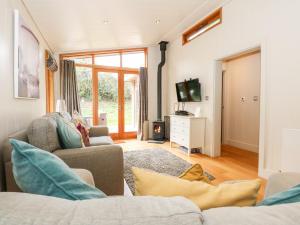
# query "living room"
(150, 82)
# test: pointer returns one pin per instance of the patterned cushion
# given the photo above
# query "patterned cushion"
(42, 133)
(84, 134)
(77, 118)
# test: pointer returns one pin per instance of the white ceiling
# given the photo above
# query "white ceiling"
(75, 25)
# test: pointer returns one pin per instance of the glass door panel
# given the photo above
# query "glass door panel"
(84, 82)
(130, 102)
(108, 100)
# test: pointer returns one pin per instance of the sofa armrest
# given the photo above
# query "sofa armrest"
(104, 162)
(97, 131)
(280, 182)
(85, 175)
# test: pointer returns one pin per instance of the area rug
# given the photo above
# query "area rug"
(158, 160)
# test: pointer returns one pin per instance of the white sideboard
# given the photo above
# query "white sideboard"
(187, 131)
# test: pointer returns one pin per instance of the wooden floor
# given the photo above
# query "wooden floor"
(233, 164)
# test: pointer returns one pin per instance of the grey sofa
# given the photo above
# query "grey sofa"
(105, 161)
(27, 209)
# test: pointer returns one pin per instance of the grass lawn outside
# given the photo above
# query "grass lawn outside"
(111, 110)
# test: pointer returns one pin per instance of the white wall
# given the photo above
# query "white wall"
(247, 24)
(241, 82)
(16, 114)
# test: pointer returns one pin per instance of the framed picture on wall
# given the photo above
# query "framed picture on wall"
(26, 60)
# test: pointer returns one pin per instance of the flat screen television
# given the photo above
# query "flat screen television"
(189, 91)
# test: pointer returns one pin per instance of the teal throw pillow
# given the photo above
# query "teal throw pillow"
(68, 134)
(40, 172)
(290, 196)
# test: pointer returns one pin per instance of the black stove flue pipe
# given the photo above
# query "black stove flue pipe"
(163, 48)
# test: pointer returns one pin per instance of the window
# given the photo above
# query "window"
(203, 26)
(107, 87)
(108, 60)
(133, 59)
(82, 59)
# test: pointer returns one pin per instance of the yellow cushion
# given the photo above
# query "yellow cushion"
(204, 195)
(195, 173)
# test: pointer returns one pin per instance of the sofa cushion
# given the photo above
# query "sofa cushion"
(287, 214)
(66, 116)
(84, 134)
(68, 134)
(40, 172)
(289, 196)
(279, 182)
(78, 118)
(21, 208)
(195, 173)
(205, 195)
(42, 133)
(103, 140)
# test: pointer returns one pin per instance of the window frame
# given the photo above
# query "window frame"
(120, 70)
(93, 54)
(207, 22)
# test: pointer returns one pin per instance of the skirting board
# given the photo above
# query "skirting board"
(242, 145)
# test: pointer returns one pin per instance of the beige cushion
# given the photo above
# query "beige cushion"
(103, 140)
(204, 195)
(42, 133)
(85, 175)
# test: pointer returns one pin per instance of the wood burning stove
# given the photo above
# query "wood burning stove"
(159, 130)
(159, 125)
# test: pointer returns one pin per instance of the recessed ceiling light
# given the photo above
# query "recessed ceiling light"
(157, 21)
(106, 21)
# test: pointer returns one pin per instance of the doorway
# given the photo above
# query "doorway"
(115, 101)
(240, 126)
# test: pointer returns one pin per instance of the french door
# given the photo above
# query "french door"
(115, 101)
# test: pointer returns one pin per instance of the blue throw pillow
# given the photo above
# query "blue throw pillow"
(290, 196)
(39, 172)
(68, 134)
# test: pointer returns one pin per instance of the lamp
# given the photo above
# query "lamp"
(61, 105)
